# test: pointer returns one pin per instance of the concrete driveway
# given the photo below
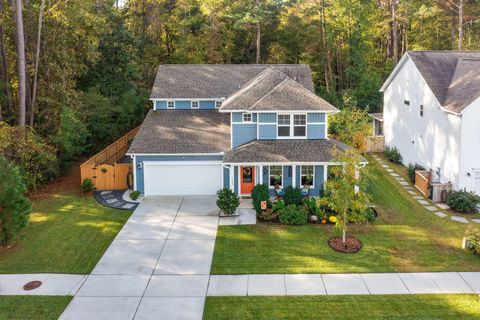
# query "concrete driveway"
(157, 267)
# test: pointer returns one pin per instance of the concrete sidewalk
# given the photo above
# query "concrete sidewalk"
(342, 284)
(52, 284)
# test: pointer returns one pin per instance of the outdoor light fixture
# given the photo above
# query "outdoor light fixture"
(140, 165)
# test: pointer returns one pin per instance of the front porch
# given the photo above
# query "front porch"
(243, 177)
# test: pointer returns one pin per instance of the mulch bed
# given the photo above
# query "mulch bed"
(351, 245)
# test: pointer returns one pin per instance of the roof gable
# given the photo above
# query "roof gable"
(272, 90)
(449, 74)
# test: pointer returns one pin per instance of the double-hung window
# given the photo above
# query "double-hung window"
(170, 104)
(307, 175)
(292, 125)
(247, 117)
(275, 176)
(283, 125)
(195, 104)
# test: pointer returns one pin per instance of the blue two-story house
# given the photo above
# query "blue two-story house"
(233, 126)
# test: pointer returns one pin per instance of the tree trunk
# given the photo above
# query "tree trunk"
(4, 66)
(344, 232)
(37, 60)
(22, 94)
(393, 5)
(257, 57)
(460, 25)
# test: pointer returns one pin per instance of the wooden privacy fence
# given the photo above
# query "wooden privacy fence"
(422, 182)
(375, 144)
(105, 170)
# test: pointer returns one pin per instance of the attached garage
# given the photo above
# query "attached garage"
(182, 178)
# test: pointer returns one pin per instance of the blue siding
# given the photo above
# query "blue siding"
(319, 174)
(139, 171)
(236, 117)
(254, 117)
(226, 177)
(267, 131)
(267, 118)
(316, 117)
(235, 179)
(243, 133)
(185, 104)
(315, 131)
(160, 105)
(287, 176)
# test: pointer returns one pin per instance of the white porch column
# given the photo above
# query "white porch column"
(294, 176)
(232, 180)
(260, 171)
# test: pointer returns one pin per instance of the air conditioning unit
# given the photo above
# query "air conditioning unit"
(439, 191)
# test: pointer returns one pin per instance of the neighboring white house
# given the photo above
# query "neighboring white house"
(432, 114)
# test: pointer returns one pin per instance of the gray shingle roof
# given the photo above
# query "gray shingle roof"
(177, 81)
(451, 75)
(273, 90)
(183, 131)
(285, 151)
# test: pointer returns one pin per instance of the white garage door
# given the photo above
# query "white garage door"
(182, 179)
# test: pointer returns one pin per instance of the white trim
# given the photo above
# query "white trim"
(294, 175)
(261, 174)
(180, 163)
(174, 104)
(134, 173)
(238, 181)
(283, 174)
(326, 126)
(314, 171)
(191, 104)
(288, 163)
(325, 175)
(176, 154)
(199, 99)
(246, 114)
(267, 123)
(292, 126)
(280, 111)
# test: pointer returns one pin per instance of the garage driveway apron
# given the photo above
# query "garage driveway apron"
(157, 267)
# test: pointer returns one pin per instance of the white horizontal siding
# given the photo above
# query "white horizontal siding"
(470, 146)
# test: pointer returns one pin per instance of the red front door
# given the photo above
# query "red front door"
(247, 179)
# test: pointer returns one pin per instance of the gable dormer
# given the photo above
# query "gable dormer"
(274, 106)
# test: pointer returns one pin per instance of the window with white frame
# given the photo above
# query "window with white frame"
(195, 104)
(283, 126)
(307, 176)
(247, 117)
(275, 176)
(292, 125)
(170, 104)
(218, 104)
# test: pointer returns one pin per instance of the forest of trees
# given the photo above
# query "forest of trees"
(76, 74)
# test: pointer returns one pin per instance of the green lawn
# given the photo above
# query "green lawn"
(344, 307)
(32, 307)
(66, 234)
(406, 238)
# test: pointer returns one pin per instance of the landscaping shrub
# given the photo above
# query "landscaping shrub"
(412, 167)
(260, 193)
(392, 154)
(463, 201)
(369, 215)
(134, 195)
(293, 214)
(87, 185)
(293, 196)
(472, 238)
(311, 205)
(268, 215)
(280, 204)
(24, 148)
(227, 201)
(14, 206)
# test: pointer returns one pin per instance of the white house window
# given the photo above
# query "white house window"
(299, 125)
(218, 104)
(195, 104)
(170, 104)
(247, 117)
(283, 125)
(275, 176)
(289, 125)
(307, 176)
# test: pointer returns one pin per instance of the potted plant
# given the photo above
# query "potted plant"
(227, 202)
